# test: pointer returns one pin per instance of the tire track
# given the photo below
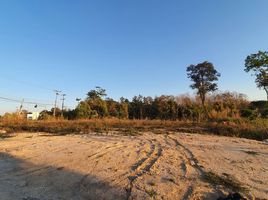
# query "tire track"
(141, 161)
(104, 151)
(18, 148)
(193, 163)
(189, 166)
(144, 166)
(189, 156)
(172, 144)
(84, 184)
(30, 171)
(135, 166)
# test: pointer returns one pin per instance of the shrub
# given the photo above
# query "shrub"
(248, 113)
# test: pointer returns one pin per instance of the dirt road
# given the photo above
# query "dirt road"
(167, 166)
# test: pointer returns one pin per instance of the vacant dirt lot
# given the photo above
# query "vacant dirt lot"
(167, 166)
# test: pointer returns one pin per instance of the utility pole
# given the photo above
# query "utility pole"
(57, 92)
(62, 106)
(21, 106)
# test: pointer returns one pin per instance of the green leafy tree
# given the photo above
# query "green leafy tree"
(123, 108)
(93, 105)
(112, 107)
(96, 103)
(204, 77)
(166, 107)
(83, 110)
(136, 107)
(147, 107)
(258, 64)
(98, 93)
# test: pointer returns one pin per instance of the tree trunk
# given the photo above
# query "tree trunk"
(266, 90)
(203, 100)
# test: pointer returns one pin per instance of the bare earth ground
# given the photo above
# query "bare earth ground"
(45, 167)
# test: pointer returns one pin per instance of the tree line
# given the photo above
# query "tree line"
(207, 104)
(219, 105)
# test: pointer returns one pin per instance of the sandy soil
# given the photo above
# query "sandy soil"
(44, 167)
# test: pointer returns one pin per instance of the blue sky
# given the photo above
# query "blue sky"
(127, 47)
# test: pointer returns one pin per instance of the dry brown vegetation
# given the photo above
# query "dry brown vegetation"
(257, 129)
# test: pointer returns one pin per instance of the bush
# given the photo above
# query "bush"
(264, 113)
(248, 113)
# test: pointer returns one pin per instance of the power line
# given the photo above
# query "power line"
(18, 98)
(8, 99)
(11, 79)
(24, 102)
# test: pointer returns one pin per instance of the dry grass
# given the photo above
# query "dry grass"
(252, 130)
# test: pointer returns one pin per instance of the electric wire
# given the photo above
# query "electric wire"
(25, 102)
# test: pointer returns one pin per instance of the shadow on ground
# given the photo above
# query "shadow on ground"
(22, 180)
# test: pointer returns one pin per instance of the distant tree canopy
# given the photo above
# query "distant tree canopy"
(93, 105)
(219, 106)
(204, 77)
(206, 105)
(98, 93)
(258, 64)
(164, 107)
(84, 111)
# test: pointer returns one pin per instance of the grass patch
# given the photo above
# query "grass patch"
(226, 181)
